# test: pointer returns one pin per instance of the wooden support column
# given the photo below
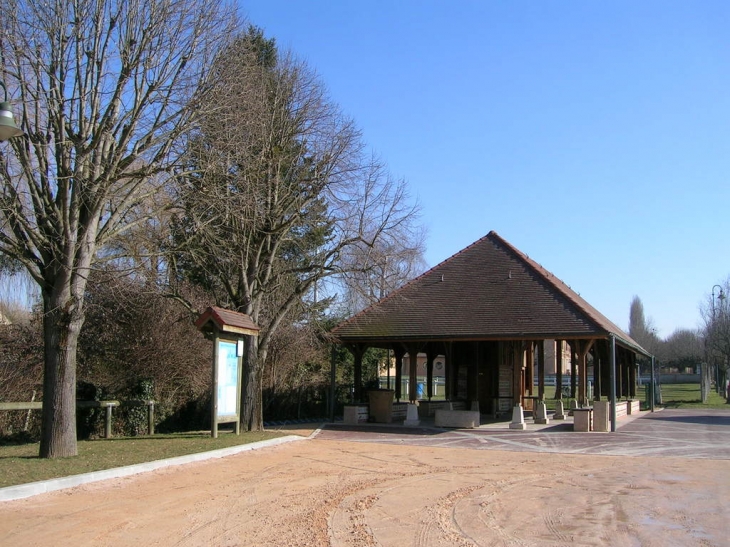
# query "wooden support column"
(413, 372)
(518, 381)
(573, 368)
(357, 352)
(448, 371)
(398, 353)
(530, 367)
(585, 347)
(598, 364)
(541, 370)
(632, 376)
(472, 385)
(558, 369)
(619, 374)
(430, 356)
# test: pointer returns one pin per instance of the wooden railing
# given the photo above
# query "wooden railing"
(107, 405)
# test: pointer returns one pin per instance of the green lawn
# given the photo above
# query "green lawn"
(688, 396)
(20, 464)
(673, 396)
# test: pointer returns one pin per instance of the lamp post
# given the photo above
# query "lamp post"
(8, 129)
(721, 296)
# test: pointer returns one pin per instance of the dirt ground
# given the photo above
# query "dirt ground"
(324, 492)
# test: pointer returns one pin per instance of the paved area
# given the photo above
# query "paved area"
(423, 487)
(703, 434)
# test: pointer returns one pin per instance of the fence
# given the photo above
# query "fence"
(106, 405)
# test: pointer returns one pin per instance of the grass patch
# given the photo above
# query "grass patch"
(689, 396)
(20, 464)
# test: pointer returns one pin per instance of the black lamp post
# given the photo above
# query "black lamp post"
(8, 129)
(721, 296)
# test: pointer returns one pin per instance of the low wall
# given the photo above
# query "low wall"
(457, 418)
(400, 411)
(427, 409)
(679, 378)
(634, 406)
(360, 413)
(621, 409)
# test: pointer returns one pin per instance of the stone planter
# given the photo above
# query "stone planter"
(381, 405)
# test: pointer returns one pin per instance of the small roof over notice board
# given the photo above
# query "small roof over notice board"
(227, 321)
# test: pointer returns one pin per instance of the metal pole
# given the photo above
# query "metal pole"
(612, 394)
(652, 386)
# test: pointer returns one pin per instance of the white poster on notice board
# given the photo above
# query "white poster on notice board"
(227, 378)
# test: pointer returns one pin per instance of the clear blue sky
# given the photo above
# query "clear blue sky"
(593, 136)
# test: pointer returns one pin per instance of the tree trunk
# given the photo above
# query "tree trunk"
(62, 321)
(252, 392)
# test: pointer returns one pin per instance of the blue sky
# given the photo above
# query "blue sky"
(593, 136)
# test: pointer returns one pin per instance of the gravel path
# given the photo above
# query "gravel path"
(330, 492)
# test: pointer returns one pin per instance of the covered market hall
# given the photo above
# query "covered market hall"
(486, 316)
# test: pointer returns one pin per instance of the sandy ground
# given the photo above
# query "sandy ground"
(319, 492)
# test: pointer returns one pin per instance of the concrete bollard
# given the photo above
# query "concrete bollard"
(572, 405)
(412, 415)
(518, 418)
(541, 413)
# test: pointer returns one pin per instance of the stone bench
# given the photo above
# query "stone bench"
(457, 418)
(355, 414)
(582, 419)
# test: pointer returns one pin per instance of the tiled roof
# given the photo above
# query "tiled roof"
(489, 290)
(227, 321)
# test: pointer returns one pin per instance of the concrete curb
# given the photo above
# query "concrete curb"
(27, 490)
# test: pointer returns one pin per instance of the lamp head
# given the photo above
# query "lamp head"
(8, 129)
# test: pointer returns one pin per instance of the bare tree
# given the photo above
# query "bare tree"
(683, 348)
(641, 329)
(106, 91)
(284, 190)
(373, 272)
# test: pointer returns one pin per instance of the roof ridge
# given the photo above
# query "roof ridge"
(403, 287)
(575, 298)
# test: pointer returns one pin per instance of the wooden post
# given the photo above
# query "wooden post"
(151, 417)
(632, 376)
(530, 367)
(541, 370)
(430, 356)
(585, 347)
(472, 382)
(558, 369)
(448, 371)
(598, 364)
(214, 402)
(413, 372)
(582, 385)
(518, 385)
(398, 352)
(357, 351)
(573, 368)
(108, 422)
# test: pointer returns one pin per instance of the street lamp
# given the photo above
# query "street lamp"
(8, 129)
(721, 296)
